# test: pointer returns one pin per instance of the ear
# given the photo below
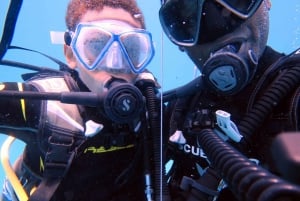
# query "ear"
(70, 58)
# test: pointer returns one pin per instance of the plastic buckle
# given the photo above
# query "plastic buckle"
(59, 157)
(228, 126)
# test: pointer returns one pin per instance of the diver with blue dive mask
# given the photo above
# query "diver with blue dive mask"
(84, 151)
(227, 132)
(110, 46)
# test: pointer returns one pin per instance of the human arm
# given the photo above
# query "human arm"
(18, 117)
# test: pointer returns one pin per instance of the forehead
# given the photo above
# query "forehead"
(108, 13)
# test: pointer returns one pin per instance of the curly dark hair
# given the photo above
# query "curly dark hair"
(77, 8)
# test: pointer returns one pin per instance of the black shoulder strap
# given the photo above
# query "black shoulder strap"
(58, 159)
(61, 149)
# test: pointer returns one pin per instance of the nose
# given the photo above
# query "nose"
(114, 57)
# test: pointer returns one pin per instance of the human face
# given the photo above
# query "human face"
(96, 79)
(252, 34)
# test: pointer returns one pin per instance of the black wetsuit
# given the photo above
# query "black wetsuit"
(196, 113)
(107, 166)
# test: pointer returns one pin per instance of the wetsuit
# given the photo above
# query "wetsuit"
(104, 166)
(190, 115)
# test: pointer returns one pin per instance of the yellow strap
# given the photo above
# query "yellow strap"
(22, 101)
(9, 171)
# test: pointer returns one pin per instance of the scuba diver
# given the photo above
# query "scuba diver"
(234, 130)
(96, 149)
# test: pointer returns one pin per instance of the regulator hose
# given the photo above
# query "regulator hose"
(245, 179)
(160, 182)
(282, 87)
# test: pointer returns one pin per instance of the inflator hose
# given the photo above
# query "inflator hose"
(160, 181)
(9, 171)
(244, 178)
(282, 87)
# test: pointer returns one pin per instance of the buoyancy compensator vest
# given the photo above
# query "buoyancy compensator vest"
(268, 106)
(60, 133)
(67, 137)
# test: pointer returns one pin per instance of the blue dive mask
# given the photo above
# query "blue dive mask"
(112, 45)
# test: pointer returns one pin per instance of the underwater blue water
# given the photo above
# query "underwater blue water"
(171, 67)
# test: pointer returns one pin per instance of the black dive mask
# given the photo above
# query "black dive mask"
(229, 69)
(186, 22)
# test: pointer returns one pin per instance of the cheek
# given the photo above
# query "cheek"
(92, 76)
(94, 81)
(260, 28)
(83, 74)
(197, 56)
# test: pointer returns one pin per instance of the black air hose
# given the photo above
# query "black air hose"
(245, 179)
(10, 25)
(160, 182)
(277, 92)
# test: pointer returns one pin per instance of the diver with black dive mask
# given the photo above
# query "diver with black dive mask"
(228, 48)
(247, 101)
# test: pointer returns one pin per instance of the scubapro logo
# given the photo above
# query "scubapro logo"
(126, 105)
(196, 151)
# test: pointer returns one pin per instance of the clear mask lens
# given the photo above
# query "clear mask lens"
(90, 45)
(99, 48)
(136, 53)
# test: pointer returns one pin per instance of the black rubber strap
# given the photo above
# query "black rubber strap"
(45, 190)
(58, 159)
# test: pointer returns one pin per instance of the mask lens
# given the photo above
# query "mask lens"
(180, 20)
(138, 48)
(89, 43)
(243, 9)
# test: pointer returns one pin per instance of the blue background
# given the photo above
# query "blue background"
(171, 67)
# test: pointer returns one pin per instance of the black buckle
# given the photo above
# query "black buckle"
(187, 183)
(59, 156)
